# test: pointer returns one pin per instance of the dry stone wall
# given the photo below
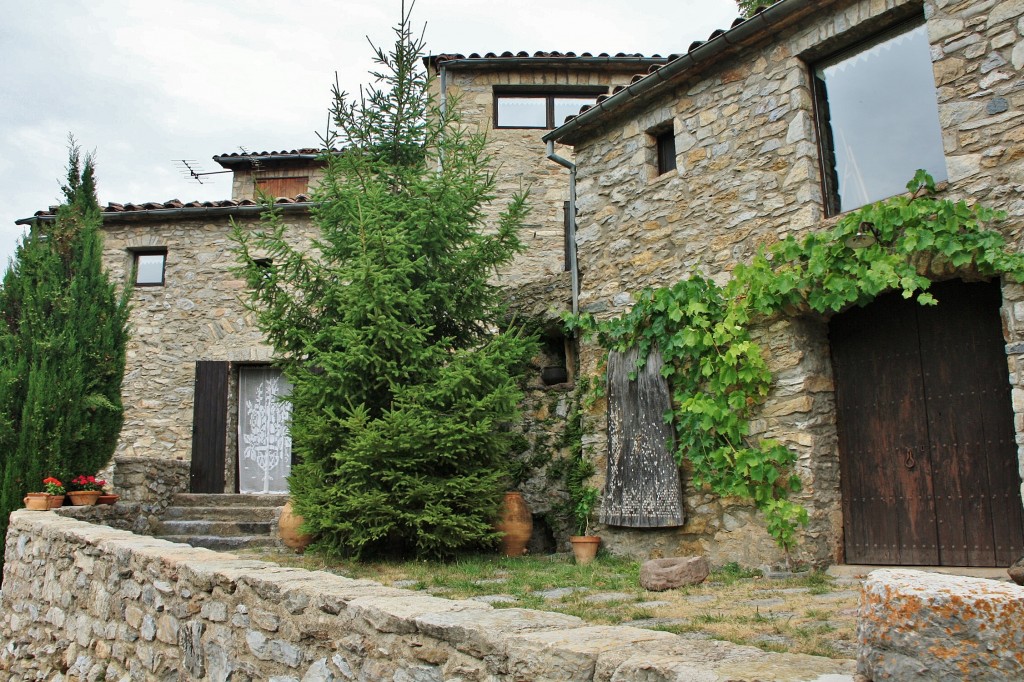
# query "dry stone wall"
(85, 602)
(748, 175)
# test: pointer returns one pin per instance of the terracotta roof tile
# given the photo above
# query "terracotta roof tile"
(653, 68)
(112, 207)
(539, 55)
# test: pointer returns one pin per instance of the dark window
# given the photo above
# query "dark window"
(149, 268)
(665, 142)
(533, 109)
(878, 120)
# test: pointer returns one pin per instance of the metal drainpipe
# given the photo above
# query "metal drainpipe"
(573, 268)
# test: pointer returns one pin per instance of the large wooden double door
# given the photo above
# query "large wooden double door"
(927, 451)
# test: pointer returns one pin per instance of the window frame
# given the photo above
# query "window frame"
(665, 150)
(549, 93)
(822, 113)
(148, 251)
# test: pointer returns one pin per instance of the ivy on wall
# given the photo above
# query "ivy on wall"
(716, 370)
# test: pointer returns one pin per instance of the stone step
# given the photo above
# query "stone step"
(207, 527)
(222, 543)
(227, 500)
(220, 513)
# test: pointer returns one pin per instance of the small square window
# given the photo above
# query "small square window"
(878, 120)
(149, 268)
(665, 144)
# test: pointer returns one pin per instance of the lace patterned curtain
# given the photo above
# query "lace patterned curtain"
(264, 446)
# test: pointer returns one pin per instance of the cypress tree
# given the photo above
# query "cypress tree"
(389, 327)
(63, 330)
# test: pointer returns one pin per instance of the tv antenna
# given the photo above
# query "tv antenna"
(191, 169)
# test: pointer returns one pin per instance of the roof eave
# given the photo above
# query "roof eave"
(182, 213)
(579, 127)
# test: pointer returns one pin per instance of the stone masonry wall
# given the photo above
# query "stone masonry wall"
(85, 602)
(747, 175)
(196, 315)
(520, 162)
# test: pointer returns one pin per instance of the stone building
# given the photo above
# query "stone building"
(196, 360)
(902, 417)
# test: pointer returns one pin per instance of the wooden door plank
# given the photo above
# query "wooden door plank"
(643, 488)
(971, 419)
(209, 427)
(887, 506)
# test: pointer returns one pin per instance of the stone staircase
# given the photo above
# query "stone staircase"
(221, 522)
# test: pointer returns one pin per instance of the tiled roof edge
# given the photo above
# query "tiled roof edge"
(743, 28)
(113, 212)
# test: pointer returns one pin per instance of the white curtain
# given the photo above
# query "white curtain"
(264, 446)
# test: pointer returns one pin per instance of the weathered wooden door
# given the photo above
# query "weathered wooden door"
(209, 427)
(926, 441)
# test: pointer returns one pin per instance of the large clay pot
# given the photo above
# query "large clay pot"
(288, 529)
(584, 547)
(55, 501)
(37, 501)
(84, 498)
(516, 523)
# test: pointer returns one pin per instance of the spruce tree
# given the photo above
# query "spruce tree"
(63, 330)
(388, 327)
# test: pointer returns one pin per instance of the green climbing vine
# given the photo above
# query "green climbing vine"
(717, 372)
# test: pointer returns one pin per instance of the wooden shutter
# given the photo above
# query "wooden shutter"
(209, 427)
(643, 488)
(284, 187)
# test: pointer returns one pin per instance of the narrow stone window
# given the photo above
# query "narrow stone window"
(877, 117)
(149, 268)
(665, 145)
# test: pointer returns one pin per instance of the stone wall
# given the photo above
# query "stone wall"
(198, 314)
(149, 480)
(748, 175)
(520, 162)
(91, 602)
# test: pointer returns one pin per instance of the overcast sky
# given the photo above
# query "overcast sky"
(143, 83)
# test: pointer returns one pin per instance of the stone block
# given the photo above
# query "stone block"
(659, 575)
(1016, 571)
(929, 626)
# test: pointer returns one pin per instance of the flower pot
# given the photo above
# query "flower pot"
(584, 547)
(516, 524)
(37, 501)
(55, 501)
(107, 499)
(288, 529)
(84, 498)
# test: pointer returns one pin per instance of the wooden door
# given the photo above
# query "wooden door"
(209, 427)
(926, 441)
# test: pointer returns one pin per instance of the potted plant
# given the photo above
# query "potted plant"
(55, 489)
(584, 545)
(85, 490)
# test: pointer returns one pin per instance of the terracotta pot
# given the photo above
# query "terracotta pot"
(55, 501)
(288, 529)
(84, 498)
(584, 547)
(107, 499)
(37, 501)
(516, 523)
